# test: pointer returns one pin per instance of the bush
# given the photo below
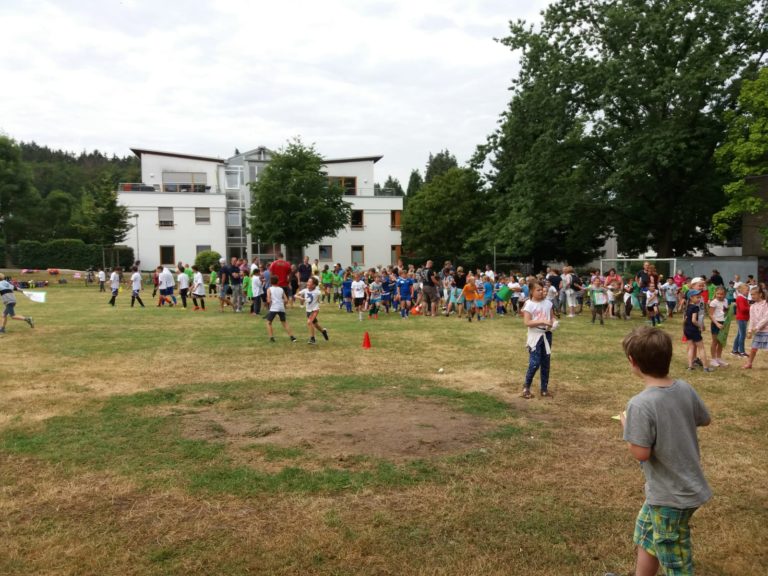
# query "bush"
(206, 259)
(69, 253)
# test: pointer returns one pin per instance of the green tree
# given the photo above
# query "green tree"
(415, 182)
(19, 201)
(99, 218)
(439, 164)
(745, 154)
(645, 84)
(440, 221)
(293, 201)
(57, 208)
(392, 187)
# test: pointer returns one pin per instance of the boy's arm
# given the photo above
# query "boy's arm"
(640, 453)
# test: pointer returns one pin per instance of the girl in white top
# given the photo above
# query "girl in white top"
(652, 303)
(136, 287)
(537, 316)
(718, 307)
(276, 300)
(310, 297)
(198, 289)
(114, 284)
(358, 296)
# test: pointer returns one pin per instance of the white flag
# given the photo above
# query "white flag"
(35, 296)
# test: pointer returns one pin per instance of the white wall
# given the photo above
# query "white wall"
(362, 170)
(185, 235)
(377, 237)
(153, 166)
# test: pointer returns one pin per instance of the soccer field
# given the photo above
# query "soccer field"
(167, 441)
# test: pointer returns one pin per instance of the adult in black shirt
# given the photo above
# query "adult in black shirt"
(305, 272)
(716, 279)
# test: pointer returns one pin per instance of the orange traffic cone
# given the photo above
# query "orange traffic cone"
(366, 341)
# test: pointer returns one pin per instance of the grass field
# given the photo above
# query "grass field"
(163, 441)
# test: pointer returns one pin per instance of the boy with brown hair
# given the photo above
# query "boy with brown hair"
(660, 427)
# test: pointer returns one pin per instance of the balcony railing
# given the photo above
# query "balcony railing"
(135, 187)
(169, 188)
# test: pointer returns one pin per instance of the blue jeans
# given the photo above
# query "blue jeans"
(539, 359)
(741, 336)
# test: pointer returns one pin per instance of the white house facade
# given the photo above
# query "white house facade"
(186, 204)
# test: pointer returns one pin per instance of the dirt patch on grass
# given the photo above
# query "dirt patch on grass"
(373, 425)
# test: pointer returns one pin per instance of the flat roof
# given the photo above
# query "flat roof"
(140, 151)
(373, 159)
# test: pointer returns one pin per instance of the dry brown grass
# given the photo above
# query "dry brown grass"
(560, 498)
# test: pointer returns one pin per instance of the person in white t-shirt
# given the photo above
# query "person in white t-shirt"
(358, 295)
(183, 281)
(102, 280)
(276, 300)
(114, 284)
(198, 289)
(537, 316)
(310, 297)
(165, 284)
(136, 287)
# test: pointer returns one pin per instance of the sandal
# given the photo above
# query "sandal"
(527, 394)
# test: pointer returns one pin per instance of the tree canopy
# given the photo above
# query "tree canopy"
(293, 201)
(745, 154)
(18, 198)
(614, 122)
(442, 220)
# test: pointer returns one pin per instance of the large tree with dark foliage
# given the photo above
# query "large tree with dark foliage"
(293, 202)
(624, 102)
(19, 201)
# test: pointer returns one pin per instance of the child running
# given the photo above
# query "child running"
(136, 287)
(374, 295)
(311, 297)
(660, 428)
(276, 300)
(537, 317)
(9, 304)
(652, 303)
(598, 296)
(758, 324)
(358, 294)
(114, 284)
(469, 295)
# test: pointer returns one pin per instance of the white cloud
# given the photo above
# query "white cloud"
(398, 78)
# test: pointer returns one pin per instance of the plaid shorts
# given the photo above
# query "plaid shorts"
(664, 533)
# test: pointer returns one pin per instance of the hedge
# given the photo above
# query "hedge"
(69, 253)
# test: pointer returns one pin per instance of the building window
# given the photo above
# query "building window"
(167, 255)
(326, 252)
(185, 181)
(397, 253)
(202, 215)
(165, 217)
(233, 219)
(202, 248)
(357, 219)
(347, 183)
(394, 219)
(233, 178)
(358, 255)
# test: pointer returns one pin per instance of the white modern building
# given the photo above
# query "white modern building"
(186, 204)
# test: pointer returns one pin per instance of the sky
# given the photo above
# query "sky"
(401, 79)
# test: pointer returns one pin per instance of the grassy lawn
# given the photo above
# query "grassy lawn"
(164, 441)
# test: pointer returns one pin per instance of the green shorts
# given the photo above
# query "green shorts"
(664, 533)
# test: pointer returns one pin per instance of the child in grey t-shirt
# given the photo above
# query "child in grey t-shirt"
(660, 426)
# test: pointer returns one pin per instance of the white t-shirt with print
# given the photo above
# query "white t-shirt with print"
(358, 289)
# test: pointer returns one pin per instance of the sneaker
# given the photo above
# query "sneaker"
(311, 341)
(714, 362)
(272, 339)
(709, 369)
(2, 330)
(325, 333)
(734, 353)
(29, 321)
(293, 338)
(721, 362)
(689, 369)
(698, 362)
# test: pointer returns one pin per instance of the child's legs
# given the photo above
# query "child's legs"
(545, 361)
(286, 327)
(663, 538)
(691, 352)
(270, 332)
(202, 301)
(741, 336)
(701, 351)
